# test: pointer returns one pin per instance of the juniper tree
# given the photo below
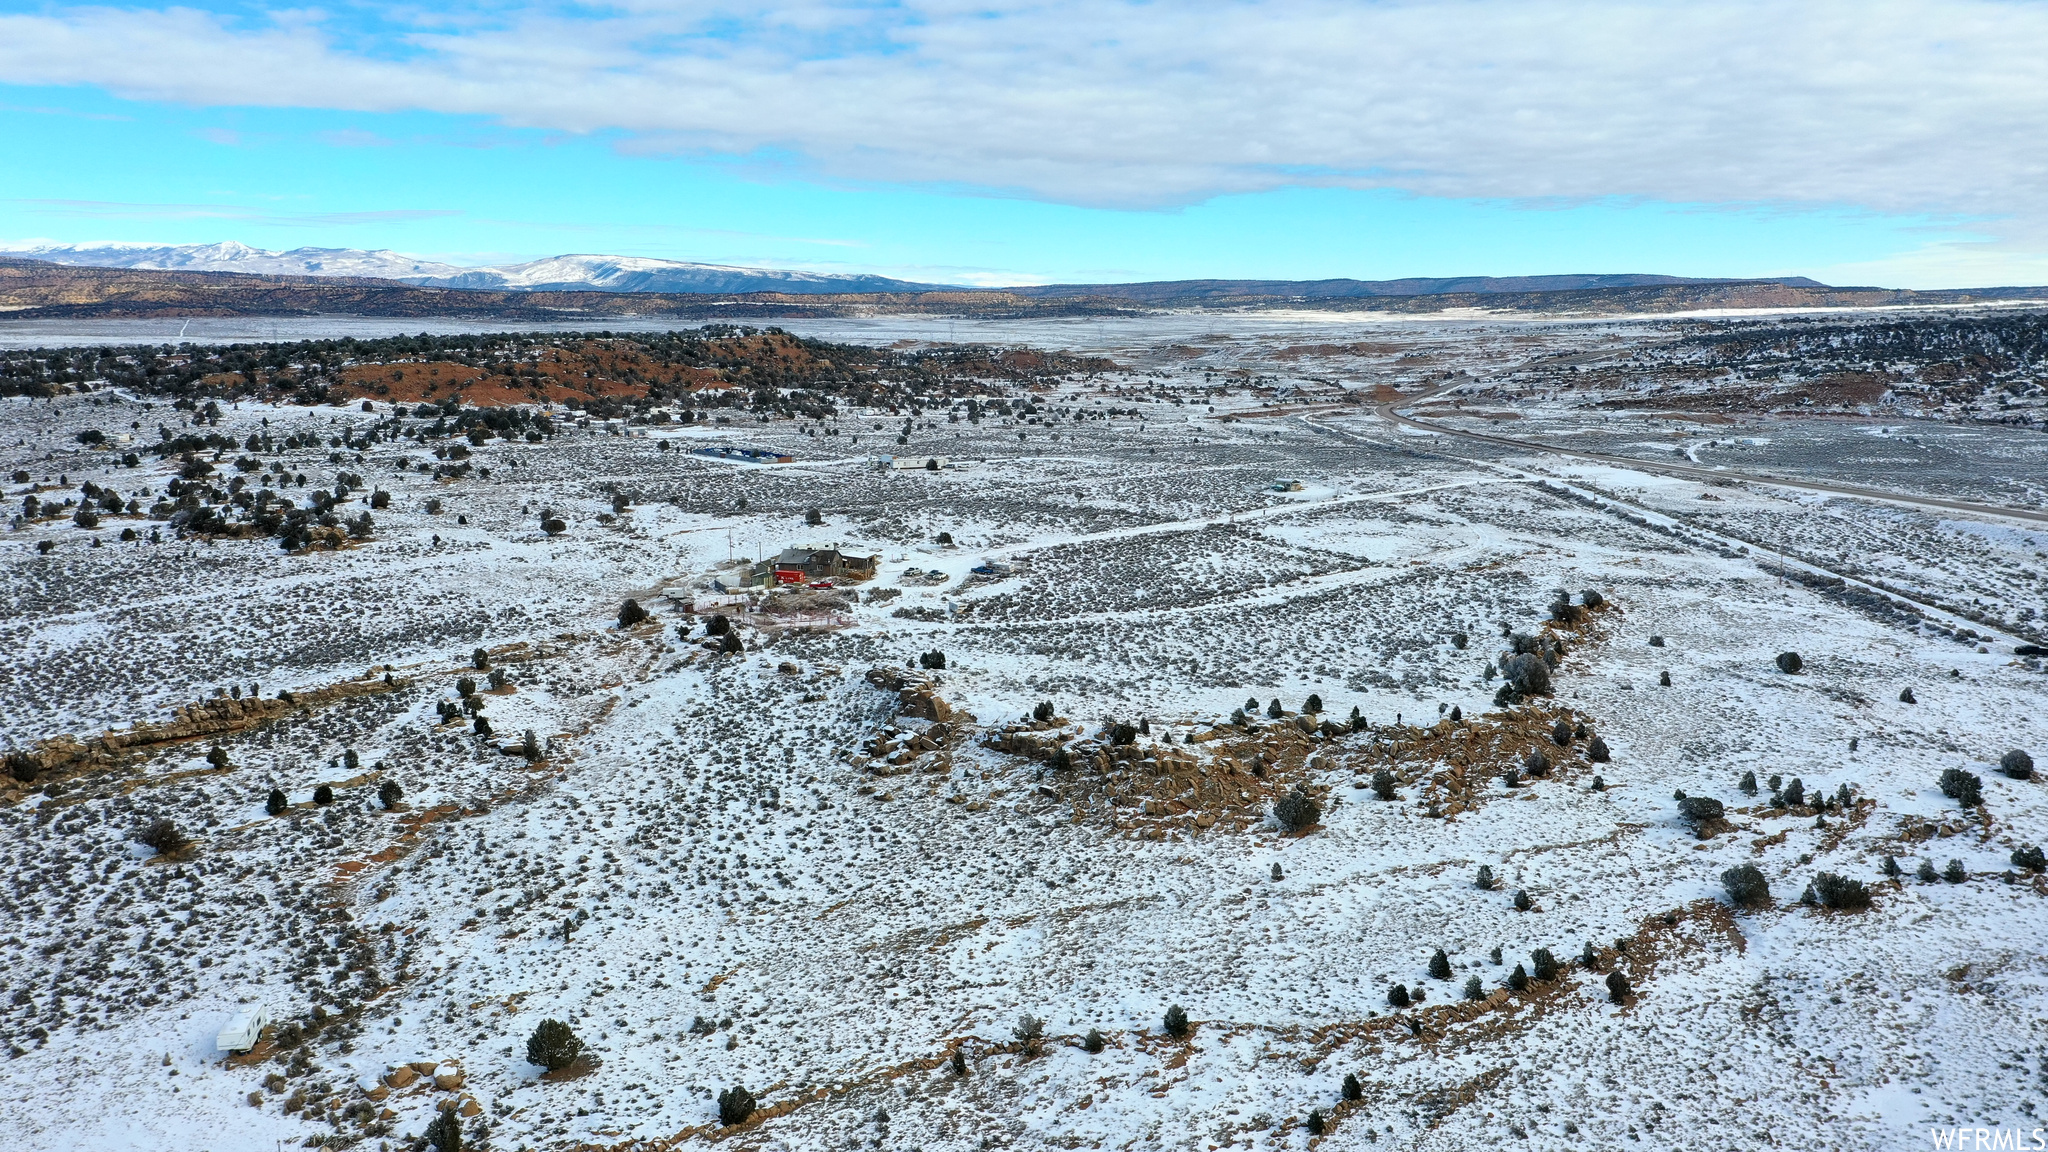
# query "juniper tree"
(1589, 958)
(217, 756)
(1357, 720)
(1700, 811)
(1521, 900)
(1962, 787)
(529, 746)
(275, 803)
(959, 1062)
(1440, 966)
(1664, 679)
(1494, 956)
(2017, 764)
(553, 1046)
(1092, 1042)
(1841, 892)
(1789, 662)
(1891, 867)
(389, 794)
(1353, 1090)
(1316, 1124)
(1277, 875)
(1383, 784)
(323, 795)
(1926, 873)
(1527, 674)
(1274, 711)
(1536, 764)
(498, 679)
(1518, 979)
(2029, 858)
(1398, 996)
(1748, 784)
(735, 1104)
(1545, 965)
(480, 660)
(1795, 793)
(1030, 1033)
(1592, 599)
(1176, 1021)
(465, 686)
(1955, 873)
(1599, 784)
(1251, 706)
(1617, 987)
(1561, 734)
(445, 1133)
(1746, 885)
(1473, 989)
(1906, 696)
(1313, 705)
(631, 613)
(1043, 711)
(1485, 880)
(1297, 810)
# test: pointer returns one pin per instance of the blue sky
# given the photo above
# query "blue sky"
(1048, 142)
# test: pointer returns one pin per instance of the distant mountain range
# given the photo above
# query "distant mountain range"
(33, 289)
(554, 274)
(578, 273)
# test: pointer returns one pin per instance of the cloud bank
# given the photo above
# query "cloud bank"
(1915, 108)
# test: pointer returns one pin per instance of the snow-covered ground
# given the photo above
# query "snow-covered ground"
(753, 896)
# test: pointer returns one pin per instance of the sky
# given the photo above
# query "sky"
(1030, 142)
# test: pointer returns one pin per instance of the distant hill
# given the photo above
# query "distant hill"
(1164, 290)
(554, 274)
(39, 289)
(642, 274)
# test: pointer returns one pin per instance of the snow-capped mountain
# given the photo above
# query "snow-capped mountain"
(554, 273)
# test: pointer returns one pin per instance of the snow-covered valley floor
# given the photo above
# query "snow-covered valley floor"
(711, 872)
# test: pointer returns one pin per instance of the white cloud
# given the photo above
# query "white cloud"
(1917, 107)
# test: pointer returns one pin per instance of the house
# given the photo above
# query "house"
(807, 564)
(1286, 485)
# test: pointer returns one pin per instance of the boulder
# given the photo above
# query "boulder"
(448, 1081)
(401, 1076)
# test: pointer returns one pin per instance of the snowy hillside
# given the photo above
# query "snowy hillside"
(1210, 760)
(555, 273)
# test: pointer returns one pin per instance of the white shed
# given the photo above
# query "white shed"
(244, 1029)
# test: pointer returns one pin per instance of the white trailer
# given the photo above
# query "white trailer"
(244, 1029)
